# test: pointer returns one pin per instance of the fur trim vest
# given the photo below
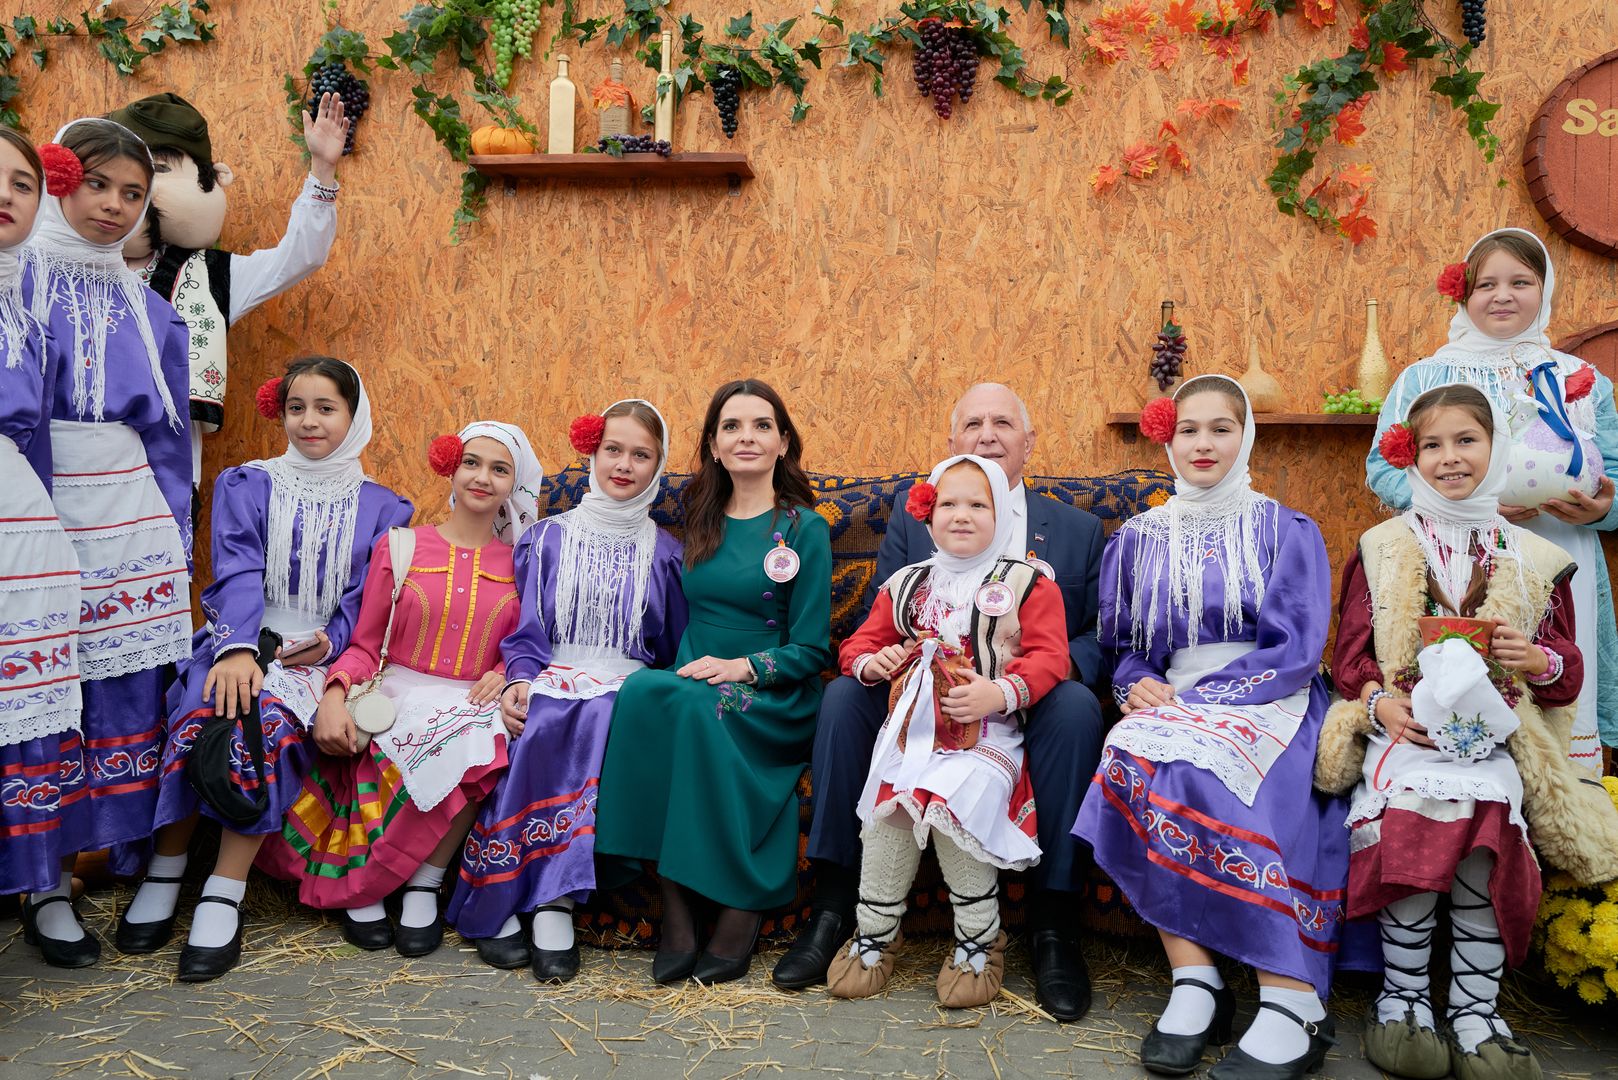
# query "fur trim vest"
(1571, 821)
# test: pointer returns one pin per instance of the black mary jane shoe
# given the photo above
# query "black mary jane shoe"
(712, 968)
(1061, 977)
(420, 940)
(140, 938)
(59, 953)
(1240, 1065)
(507, 953)
(555, 965)
(199, 963)
(1177, 1055)
(816, 946)
(372, 935)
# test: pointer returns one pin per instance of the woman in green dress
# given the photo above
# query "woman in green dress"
(703, 761)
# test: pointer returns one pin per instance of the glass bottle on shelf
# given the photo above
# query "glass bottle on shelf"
(1373, 378)
(564, 108)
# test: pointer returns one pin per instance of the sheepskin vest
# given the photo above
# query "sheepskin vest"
(1571, 821)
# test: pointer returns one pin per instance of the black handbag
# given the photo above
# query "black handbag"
(208, 765)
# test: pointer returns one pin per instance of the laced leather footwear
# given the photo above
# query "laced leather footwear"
(849, 976)
(1238, 1064)
(1404, 1048)
(812, 952)
(1177, 1055)
(961, 987)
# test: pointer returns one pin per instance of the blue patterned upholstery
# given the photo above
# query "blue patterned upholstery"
(857, 508)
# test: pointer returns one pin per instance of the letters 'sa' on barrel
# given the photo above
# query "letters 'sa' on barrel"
(1571, 157)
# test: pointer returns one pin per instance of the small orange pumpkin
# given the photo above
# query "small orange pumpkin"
(494, 139)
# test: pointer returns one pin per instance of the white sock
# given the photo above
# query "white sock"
(1407, 946)
(1191, 1008)
(1477, 956)
(888, 861)
(509, 927)
(57, 921)
(421, 908)
(155, 900)
(214, 925)
(368, 913)
(553, 930)
(1276, 1038)
(974, 895)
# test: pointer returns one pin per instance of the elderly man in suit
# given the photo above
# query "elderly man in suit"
(1063, 735)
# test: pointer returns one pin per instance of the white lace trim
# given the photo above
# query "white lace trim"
(110, 667)
(936, 817)
(1369, 804)
(59, 719)
(1240, 782)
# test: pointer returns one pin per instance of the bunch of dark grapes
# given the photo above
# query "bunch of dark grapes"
(1474, 21)
(727, 97)
(618, 145)
(1168, 356)
(946, 64)
(335, 78)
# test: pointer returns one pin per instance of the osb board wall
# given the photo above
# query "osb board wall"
(881, 261)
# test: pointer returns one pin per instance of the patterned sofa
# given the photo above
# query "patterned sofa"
(857, 508)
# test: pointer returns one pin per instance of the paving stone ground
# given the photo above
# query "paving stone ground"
(304, 1004)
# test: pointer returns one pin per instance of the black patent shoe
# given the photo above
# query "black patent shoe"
(59, 953)
(371, 935)
(139, 938)
(556, 965)
(712, 968)
(511, 951)
(813, 950)
(199, 963)
(1240, 1065)
(1177, 1055)
(1061, 977)
(420, 940)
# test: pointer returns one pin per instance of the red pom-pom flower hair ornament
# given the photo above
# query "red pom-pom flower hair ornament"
(1398, 447)
(1158, 418)
(444, 455)
(919, 505)
(64, 172)
(585, 433)
(268, 399)
(1580, 383)
(1452, 282)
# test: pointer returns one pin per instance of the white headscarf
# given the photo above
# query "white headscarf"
(1224, 518)
(93, 280)
(324, 494)
(521, 508)
(1447, 529)
(954, 580)
(608, 545)
(16, 324)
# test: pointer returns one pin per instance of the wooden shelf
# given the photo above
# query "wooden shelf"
(604, 167)
(1279, 419)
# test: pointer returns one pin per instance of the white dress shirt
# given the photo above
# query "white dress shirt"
(1017, 545)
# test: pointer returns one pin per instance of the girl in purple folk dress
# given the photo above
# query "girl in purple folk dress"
(600, 593)
(44, 808)
(292, 537)
(121, 483)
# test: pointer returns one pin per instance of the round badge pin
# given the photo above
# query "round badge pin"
(995, 599)
(1042, 566)
(781, 564)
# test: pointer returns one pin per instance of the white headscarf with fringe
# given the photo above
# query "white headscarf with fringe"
(16, 324)
(608, 546)
(1223, 520)
(93, 280)
(324, 495)
(953, 581)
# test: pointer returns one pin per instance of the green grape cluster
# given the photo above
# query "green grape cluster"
(513, 26)
(1350, 402)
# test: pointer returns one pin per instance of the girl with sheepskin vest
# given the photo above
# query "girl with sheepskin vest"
(1457, 751)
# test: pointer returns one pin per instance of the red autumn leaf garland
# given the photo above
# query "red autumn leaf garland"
(1238, 71)
(1176, 157)
(1320, 13)
(1140, 160)
(1163, 51)
(1351, 121)
(1182, 15)
(1105, 178)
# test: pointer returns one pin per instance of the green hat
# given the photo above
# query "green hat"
(167, 120)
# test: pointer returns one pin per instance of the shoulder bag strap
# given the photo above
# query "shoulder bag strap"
(401, 550)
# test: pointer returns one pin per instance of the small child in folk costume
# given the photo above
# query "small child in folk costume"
(121, 481)
(1503, 294)
(970, 641)
(44, 813)
(292, 537)
(600, 593)
(1457, 761)
(395, 810)
(1215, 607)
